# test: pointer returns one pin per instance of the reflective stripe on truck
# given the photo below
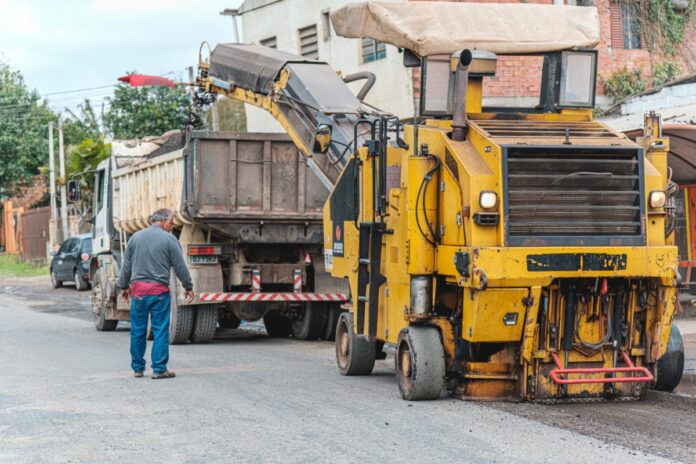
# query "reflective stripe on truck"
(273, 296)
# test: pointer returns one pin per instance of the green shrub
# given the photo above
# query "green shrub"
(664, 72)
(625, 82)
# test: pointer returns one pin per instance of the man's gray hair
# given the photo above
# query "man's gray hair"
(161, 215)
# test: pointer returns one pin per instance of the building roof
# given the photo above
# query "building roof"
(251, 5)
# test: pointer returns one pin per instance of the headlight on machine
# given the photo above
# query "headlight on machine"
(488, 199)
(658, 199)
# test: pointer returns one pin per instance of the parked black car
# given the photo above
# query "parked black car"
(71, 262)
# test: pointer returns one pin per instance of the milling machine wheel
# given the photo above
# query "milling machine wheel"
(99, 306)
(355, 355)
(310, 321)
(670, 366)
(204, 323)
(420, 363)
(277, 325)
(181, 317)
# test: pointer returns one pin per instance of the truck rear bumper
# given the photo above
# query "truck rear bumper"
(288, 297)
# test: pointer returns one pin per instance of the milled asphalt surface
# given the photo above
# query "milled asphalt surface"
(67, 395)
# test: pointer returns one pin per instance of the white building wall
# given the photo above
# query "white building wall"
(262, 19)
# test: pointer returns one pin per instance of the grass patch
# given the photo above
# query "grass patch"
(11, 266)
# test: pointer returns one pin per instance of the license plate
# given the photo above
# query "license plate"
(203, 259)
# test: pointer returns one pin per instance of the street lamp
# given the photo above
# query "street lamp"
(233, 12)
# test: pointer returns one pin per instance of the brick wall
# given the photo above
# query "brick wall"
(30, 194)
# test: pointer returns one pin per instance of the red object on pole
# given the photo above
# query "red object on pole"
(140, 80)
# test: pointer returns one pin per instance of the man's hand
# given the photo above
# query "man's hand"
(125, 294)
(188, 296)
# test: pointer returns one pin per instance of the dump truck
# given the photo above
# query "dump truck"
(517, 253)
(247, 213)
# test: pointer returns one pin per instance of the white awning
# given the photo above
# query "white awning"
(432, 28)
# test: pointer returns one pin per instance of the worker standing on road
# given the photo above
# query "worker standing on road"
(150, 255)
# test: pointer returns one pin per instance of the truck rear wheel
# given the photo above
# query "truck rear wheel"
(181, 318)
(277, 326)
(204, 324)
(355, 355)
(99, 304)
(420, 363)
(332, 314)
(670, 366)
(309, 325)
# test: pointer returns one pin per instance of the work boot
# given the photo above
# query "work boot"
(163, 375)
(137, 375)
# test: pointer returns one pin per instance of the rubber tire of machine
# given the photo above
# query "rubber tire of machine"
(670, 366)
(355, 355)
(204, 323)
(100, 321)
(311, 321)
(181, 317)
(80, 283)
(420, 363)
(54, 281)
(277, 325)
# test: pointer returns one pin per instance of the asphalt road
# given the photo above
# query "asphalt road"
(67, 395)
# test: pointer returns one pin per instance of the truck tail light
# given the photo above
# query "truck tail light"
(84, 257)
(204, 250)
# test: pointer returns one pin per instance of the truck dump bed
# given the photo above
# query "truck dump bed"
(219, 178)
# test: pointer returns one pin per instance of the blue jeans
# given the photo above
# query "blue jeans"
(157, 307)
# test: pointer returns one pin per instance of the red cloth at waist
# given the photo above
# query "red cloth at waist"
(140, 288)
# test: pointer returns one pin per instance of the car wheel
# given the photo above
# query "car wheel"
(80, 283)
(54, 280)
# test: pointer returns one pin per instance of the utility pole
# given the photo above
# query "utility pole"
(215, 116)
(63, 187)
(52, 171)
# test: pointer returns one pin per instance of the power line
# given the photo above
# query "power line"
(79, 90)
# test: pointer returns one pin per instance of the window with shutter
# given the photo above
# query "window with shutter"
(308, 42)
(625, 26)
(269, 42)
(373, 50)
(615, 23)
(630, 26)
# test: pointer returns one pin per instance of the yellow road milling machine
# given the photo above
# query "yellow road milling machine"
(506, 253)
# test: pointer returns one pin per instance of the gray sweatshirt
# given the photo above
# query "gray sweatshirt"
(150, 255)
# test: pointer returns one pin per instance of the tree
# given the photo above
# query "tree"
(231, 115)
(82, 126)
(23, 131)
(141, 111)
(83, 157)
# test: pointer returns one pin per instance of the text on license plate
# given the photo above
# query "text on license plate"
(203, 259)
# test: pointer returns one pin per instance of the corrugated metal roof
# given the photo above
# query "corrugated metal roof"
(682, 150)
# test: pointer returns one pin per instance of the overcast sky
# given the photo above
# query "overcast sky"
(77, 44)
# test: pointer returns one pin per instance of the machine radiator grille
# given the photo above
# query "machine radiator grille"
(571, 193)
(502, 128)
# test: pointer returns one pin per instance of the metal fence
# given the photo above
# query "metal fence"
(34, 233)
